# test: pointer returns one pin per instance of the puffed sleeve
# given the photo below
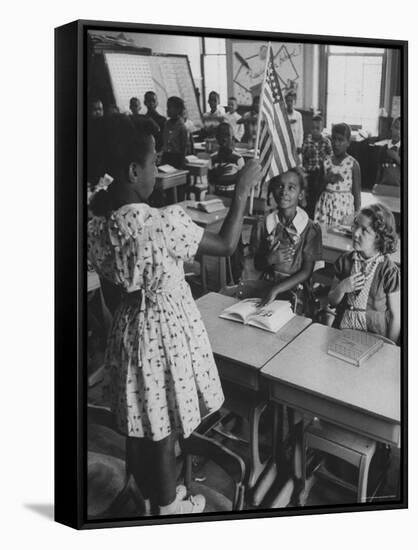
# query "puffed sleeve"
(182, 235)
(312, 249)
(342, 267)
(391, 278)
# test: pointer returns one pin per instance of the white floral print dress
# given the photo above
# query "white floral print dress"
(159, 368)
(337, 201)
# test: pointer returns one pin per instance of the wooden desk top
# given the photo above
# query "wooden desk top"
(393, 203)
(240, 343)
(340, 243)
(245, 153)
(374, 387)
(177, 173)
(204, 219)
(197, 169)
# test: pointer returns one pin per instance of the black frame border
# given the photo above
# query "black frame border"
(71, 278)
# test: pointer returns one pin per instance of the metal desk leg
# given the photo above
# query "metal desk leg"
(222, 272)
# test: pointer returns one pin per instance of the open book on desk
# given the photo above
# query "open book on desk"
(271, 317)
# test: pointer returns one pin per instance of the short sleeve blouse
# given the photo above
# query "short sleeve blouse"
(139, 247)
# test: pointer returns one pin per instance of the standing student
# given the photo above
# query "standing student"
(143, 122)
(175, 137)
(96, 108)
(191, 128)
(151, 103)
(226, 164)
(232, 118)
(315, 149)
(389, 169)
(295, 119)
(342, 179)
(214, 116)
(287, 243)
(366, 287)
(134, 106)
(159, 368)
(250, 121)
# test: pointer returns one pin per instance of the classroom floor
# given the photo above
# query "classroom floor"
(106, 477)
(106, 465)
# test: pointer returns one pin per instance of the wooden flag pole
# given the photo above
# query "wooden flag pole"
(257, 139)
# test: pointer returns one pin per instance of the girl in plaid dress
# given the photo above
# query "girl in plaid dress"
(366, 288)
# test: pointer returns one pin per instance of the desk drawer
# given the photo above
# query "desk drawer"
(237, 373)
(344, 416)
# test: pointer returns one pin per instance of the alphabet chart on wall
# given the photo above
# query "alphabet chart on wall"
(132, 75)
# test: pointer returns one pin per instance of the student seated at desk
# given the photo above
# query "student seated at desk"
(174, 134)
(342, 180)
(226, 164)
(389, 169)
(366, 288)
(287, 243)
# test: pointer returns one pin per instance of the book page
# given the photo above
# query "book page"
(273, 316)
(241, 310)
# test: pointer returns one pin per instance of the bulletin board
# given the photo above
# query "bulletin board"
(246, 63)
(132, 74)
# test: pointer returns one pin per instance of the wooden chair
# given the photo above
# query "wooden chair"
(349, 446)
(201, 445)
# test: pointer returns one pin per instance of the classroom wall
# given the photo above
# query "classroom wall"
(162, 43)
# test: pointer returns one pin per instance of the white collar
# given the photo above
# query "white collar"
(299, 222)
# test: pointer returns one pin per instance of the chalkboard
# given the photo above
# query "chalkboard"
(132, 74)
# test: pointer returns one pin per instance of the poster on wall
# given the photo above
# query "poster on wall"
(248, 63)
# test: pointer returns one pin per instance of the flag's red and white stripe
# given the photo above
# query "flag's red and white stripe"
(276, 142)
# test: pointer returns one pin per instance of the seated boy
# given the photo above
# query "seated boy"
(226, 164)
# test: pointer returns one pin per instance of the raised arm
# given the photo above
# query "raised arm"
(225, 242)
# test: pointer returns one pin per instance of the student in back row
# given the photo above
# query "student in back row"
(389, 169)
(151, 103)
(295, 119)
(315, 149)
(214, 116)
(232, 118)
(341, 196)
(175, 136)
(226, 164)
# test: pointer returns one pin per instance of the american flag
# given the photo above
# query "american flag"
(276, 142)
